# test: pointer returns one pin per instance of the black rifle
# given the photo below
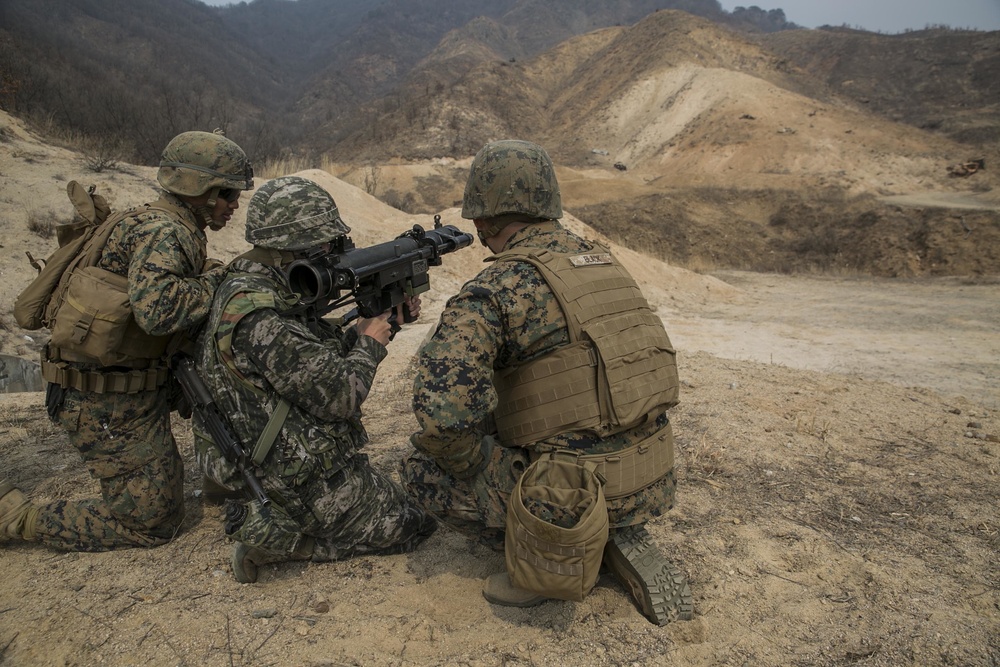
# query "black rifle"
(376, 278)
(218, 426)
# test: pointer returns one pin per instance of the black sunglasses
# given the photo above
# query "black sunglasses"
(229, 194)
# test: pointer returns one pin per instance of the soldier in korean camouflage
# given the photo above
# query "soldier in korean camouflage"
(117, 413)
(550, 354)
(276, 368)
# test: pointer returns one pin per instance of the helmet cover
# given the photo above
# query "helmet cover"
(195, 162)
(512, 176)
(293, 213)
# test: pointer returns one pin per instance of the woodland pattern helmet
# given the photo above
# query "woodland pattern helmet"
(195, 162)
(512, 177)
(293, 213)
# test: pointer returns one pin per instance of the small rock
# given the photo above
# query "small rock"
(264, 613)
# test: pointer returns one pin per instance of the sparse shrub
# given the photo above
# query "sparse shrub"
(373, 174)
(705, 458)
(97, 162)
(103, 154)
(42, 224)
(406, 204)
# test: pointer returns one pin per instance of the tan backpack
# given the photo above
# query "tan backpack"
(86, 308)
(30, 309)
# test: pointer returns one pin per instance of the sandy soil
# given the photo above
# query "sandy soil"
(837, 462)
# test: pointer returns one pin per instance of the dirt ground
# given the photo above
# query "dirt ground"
(837, 464)
(824, 516)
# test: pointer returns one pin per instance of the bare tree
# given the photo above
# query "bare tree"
(373, 174)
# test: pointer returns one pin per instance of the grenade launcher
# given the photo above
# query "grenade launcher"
(375, 278)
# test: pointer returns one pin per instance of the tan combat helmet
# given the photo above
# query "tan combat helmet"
(195, 162)
(293, 213)
(512, 177)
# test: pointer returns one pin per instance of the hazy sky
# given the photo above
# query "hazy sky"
(884, 15)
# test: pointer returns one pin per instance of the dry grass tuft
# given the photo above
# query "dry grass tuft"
(42, 224)
(705, 458)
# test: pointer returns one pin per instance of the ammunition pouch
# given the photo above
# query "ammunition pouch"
(95, 320)
(104, 381)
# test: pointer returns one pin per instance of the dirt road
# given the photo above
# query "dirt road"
(942, 334)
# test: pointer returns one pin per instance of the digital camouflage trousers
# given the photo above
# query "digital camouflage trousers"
(356, 510)
(126, 443)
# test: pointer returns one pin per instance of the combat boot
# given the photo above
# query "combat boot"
(499, 590)
(246, 559)
(14, 511)
(658, 588)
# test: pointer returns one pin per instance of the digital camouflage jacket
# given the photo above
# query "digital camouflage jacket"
(163, 259)
(259, 347)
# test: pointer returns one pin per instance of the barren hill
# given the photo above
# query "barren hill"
(730, 160)
(941, 80)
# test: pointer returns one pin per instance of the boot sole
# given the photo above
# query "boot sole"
(660, 590)
(244, 569)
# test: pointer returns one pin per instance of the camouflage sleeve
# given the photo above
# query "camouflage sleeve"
(453, 390)
(323, 377)
(166, 292)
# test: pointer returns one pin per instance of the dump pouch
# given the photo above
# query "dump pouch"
(557, 526)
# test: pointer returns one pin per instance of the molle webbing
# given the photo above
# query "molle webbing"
(105, 382)
(630, 470)
(618, 368)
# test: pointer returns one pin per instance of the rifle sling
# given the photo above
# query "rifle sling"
(270, 432)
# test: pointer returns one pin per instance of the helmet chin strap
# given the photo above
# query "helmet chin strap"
(494, 229)
(204, 212)
(500, 223)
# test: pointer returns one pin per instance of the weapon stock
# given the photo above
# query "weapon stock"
(218, 427)
(378, 277)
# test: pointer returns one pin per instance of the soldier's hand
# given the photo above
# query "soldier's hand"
(409, 309)
(375, 327)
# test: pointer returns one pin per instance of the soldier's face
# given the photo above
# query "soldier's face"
(222, 213)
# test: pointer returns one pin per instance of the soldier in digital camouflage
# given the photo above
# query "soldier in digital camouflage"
(118, 416)
(273, 365)
(489, 403)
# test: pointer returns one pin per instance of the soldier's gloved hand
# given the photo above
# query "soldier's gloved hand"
(409, 310)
